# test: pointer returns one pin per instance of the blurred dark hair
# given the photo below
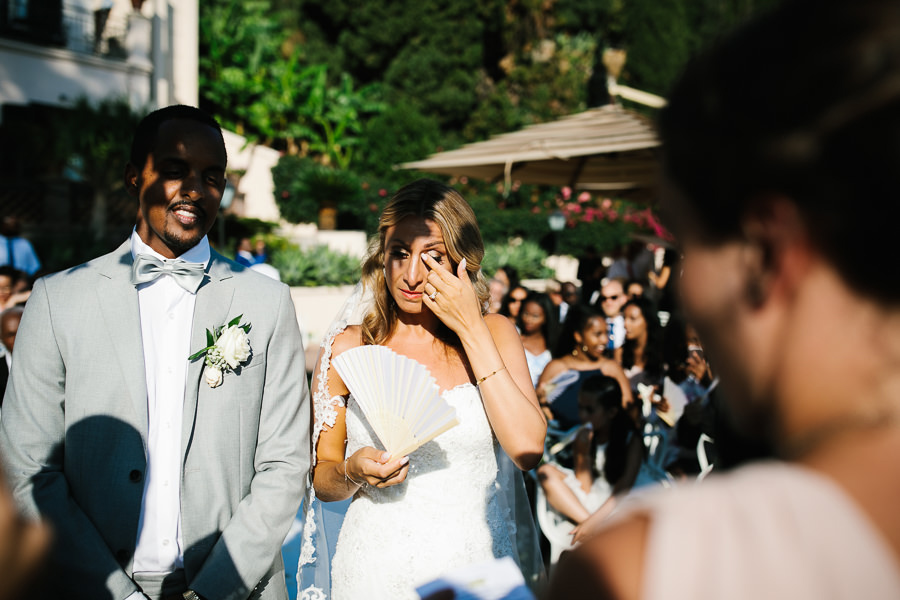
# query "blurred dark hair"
(802, 102)
(606, 392)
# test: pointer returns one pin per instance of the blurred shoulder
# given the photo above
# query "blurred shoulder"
(608, 565)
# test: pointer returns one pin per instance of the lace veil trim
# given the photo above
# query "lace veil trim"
(314, 569)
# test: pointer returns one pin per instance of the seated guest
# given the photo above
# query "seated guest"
(538, 328)
(580, 349)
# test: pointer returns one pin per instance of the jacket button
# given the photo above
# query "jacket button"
(135, 476)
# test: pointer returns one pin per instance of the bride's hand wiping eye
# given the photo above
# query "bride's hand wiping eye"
(450, 297)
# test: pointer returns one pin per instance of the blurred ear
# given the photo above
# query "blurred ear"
(776, 248)
(131, 179)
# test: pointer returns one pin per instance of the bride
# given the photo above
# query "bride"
(446, 505)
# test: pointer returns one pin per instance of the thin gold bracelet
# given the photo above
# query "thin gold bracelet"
(491, 374)
(347, 475)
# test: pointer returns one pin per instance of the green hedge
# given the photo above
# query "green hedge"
(317, 266)
(526, 257)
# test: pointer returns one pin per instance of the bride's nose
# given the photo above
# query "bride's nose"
(415, 272)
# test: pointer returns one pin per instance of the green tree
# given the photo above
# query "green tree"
(240, 41)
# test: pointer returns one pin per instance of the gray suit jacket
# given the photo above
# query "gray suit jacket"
(74, 431)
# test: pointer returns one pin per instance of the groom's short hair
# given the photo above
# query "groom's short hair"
(148, 129)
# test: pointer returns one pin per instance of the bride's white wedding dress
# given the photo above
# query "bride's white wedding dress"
(463, 502)
(447, 513)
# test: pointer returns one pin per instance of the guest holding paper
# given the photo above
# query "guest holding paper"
(414, 517)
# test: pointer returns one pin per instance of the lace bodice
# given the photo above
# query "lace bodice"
(445, 514)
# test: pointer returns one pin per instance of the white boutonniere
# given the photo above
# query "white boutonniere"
(227, 347)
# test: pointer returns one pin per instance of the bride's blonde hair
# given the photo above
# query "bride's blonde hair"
(433, 200)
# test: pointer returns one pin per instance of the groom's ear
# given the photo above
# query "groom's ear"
(132, 176)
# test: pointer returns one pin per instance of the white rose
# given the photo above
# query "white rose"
(213, 376)
(234, 345)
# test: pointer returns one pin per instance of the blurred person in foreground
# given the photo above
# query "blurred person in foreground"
(23, 545)
(772, 202)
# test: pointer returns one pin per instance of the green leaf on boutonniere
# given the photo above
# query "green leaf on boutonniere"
(199, 353)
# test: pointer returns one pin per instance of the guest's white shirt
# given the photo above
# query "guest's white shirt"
(167, 313)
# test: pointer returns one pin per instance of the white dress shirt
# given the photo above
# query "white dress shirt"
(167, 313)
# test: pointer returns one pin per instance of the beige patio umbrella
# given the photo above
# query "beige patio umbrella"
(605, 148)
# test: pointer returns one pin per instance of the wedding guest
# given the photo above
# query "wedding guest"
(664, 282)
(260, 252)
(634, 289)
(16, 251)
(579, 354)
(505, 278)
(167, 466)
(607, 454)
(538, 330)
(512, 303)
(445, 505)
(772, 204)
(590, 273)
(642, 351)
(14, 288)
(568, 293)
(612, 299)
(244, 255)
(9, 326)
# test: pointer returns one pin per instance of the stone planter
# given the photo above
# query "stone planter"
(328, 216)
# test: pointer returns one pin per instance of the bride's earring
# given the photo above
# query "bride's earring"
(584, 349)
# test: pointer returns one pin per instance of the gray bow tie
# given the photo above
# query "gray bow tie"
(148, 268)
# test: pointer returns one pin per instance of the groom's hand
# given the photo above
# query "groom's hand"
(377, 467)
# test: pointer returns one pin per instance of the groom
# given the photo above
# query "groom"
(161, 477)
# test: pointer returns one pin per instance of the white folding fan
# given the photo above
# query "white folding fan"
(398, 395)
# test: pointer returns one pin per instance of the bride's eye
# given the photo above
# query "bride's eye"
(438, 258)
(398, 253)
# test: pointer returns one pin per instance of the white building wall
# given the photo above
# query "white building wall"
(256, 183)
(162, 65)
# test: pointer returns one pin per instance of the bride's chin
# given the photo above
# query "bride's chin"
(406, 305)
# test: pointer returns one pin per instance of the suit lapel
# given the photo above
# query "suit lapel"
(118, 298)
(211, 310)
